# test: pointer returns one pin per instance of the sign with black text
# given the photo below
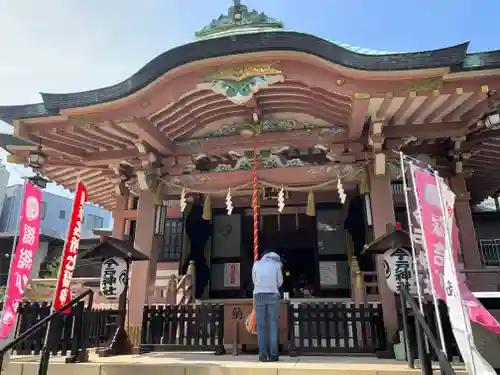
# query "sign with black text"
(114, 277)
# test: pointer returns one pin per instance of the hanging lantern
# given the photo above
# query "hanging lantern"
(183, 202)
(340, 189)
(281, 200)
(229, 203)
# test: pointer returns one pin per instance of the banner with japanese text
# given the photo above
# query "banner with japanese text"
(434, 227)
(22, 263)
(433, 230)
(70, 250)
(477, 312)
(457, 309)
(415, 226)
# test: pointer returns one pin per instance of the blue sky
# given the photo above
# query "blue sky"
(65, 46)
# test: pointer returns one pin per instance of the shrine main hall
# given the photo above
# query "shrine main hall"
(167, 148)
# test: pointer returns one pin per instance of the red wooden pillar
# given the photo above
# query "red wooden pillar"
(382, 206)
(143, 274)
(467, 233)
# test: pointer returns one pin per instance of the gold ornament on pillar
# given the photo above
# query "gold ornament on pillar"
(311, 204)
(207, 208)
(157, 195)
(364, 186)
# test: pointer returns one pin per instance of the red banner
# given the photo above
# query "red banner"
(431, 215)
(433, 220)
(70, 250)
(27, 246)
(477, 312)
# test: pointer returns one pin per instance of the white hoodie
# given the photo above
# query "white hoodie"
(267, 276)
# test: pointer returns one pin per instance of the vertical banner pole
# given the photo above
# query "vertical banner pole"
(429, 273)
(3, 342)
(416, 270)
(420, 294)
(68, 256)
(448, 249)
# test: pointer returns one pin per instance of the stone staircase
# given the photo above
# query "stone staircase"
(208, 364)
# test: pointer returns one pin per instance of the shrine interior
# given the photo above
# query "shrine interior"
(313, 250)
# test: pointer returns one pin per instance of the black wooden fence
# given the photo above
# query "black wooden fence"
(326, 328)
(314, 328)
(67, 329)
(186, 327)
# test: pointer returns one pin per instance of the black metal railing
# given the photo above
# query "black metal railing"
(183, 327)
(313, 328)
(323, 328)
(102, 324)
(52, 342)
(490, 252)
(424, 337)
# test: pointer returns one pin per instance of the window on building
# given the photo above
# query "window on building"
(62, 214)
(171, 249)
(133, 203)
(6, 214)
(43, 209)
(94, 221)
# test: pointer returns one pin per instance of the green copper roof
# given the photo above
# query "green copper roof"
(361, 50)
(237, 20)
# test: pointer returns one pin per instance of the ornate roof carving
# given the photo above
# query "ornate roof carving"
(237, 19)
(241, 31)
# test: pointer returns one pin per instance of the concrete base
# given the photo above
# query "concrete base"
(208, 364)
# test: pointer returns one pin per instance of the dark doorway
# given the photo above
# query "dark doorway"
(293, 237)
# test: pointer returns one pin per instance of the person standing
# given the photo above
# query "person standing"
(267, 279)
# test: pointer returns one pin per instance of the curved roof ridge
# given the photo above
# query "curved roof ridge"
(362, 50)
(371, 52)
(343, 54)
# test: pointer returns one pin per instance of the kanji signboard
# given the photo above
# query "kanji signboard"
(113, 277)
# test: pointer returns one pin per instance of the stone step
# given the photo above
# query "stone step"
(208, 364)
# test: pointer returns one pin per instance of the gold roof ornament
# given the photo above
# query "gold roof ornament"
(239, 73)
(239, 83)
(426, 84)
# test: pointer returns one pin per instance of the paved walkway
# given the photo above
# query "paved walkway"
(208, 364)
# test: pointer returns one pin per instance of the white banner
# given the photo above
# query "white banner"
(458, 313)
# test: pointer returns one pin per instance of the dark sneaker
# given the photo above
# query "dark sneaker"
(274, 358)
(263, 358)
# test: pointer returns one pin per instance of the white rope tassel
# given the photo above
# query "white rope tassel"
(182, 202)
(340, 189)
(229, 202)
(281, 200)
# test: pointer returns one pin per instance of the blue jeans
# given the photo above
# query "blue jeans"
(267, 310)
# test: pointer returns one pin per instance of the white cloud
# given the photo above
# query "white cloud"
(64, 46)
(46, 48)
